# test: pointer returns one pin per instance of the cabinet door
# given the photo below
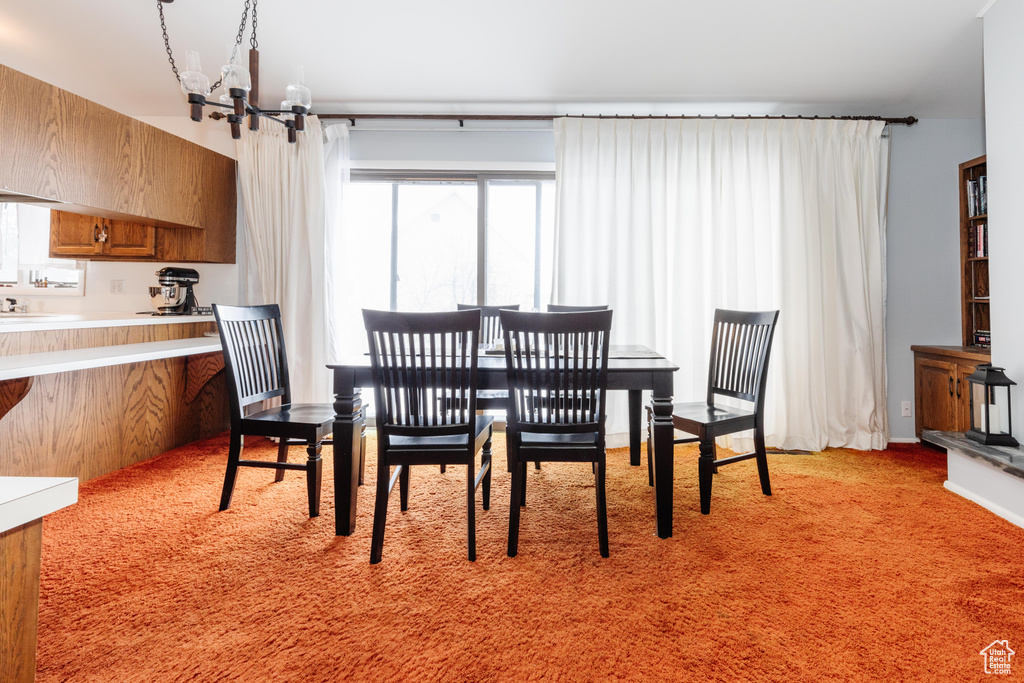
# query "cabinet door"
(935, 395)
(963, 399)
(73, 234)
(125, 238)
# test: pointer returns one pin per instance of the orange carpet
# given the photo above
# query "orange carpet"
(860, 567)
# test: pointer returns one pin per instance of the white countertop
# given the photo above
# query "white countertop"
(24, 499)
(49, 362)
(35, 322)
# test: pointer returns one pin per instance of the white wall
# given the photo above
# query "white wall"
(923, 248)
(218, 283)
(1004, 122)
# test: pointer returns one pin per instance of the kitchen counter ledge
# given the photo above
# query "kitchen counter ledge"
(38, 322)
(35, 364)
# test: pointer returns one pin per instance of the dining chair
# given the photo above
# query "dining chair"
(741, 344)
(257, 370)
(424, 370)
(557, 368)
(490, 332)
(563, 308)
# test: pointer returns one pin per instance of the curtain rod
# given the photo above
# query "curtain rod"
(352, 118)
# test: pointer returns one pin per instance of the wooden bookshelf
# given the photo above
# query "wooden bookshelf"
(974, 291)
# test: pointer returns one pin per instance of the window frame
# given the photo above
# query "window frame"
(481, 179)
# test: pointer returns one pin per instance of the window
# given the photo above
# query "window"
(432, 241)
(25, 264)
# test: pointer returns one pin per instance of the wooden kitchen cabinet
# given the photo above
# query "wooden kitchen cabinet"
(79, 236)
(941, 397)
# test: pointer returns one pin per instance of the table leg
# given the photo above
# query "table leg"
(661, 440)
(348, 409)
(635, 427)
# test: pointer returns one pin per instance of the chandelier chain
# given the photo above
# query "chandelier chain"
(255, 44)
(238, 37)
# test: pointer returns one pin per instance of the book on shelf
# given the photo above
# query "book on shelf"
(977, 196)
(978, 241)
(982, 338)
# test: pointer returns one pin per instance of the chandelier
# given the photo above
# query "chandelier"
(241, 84)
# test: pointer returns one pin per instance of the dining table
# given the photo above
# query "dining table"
(631, 368)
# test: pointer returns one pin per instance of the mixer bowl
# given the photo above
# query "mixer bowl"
(164, 297)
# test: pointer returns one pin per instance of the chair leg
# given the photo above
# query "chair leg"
(705, 472)
(282, 456)
(536, 465)
(234, 451)
(403, 487)
(762, 461)
(380, 511)
(522, 486)
(471, 509)
(485, 460)
(444, 468)
(602, 508)
(518, 478)
(314, 474)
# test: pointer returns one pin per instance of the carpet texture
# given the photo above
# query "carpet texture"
(860, 567)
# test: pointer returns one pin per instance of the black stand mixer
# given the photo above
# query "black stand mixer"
(174, 295)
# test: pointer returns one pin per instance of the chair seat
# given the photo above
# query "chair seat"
(309, 421)
(685, 416)
(483, 426)
(580, 439)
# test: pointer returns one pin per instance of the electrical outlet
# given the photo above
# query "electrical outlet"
(117, 286)
(906, 409)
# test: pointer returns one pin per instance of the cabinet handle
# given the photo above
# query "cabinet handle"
(958, 387)
(950, 386)
(99, 234)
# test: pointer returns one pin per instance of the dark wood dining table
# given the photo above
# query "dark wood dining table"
(630, 368)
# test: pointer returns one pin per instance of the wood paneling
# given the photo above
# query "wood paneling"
(90, 422)
(63, 147)
(20, 552)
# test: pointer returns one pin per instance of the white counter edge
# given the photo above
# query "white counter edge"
(50, 362)
(75, 321)
(24, 499)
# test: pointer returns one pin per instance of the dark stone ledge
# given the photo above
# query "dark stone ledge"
(1010, 460)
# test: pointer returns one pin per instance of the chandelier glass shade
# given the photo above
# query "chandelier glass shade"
(240, 83)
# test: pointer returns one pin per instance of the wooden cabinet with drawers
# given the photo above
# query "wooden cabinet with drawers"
(940, 386)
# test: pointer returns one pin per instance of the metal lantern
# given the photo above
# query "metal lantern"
(990, 407)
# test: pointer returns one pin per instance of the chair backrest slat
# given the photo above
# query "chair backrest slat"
(557, 366)
(566, 308)
(254, 354)
(424, 369)
(490, 320)
(741, 344)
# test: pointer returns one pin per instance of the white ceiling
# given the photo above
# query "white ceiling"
(886, 57)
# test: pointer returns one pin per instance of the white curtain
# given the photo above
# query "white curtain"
(667, 220)
(283, 196)
(340, 283)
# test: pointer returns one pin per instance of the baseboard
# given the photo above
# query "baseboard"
(999, 510)
(905, 439)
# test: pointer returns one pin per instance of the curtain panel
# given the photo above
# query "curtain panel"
(666, 220)
(283, 195)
